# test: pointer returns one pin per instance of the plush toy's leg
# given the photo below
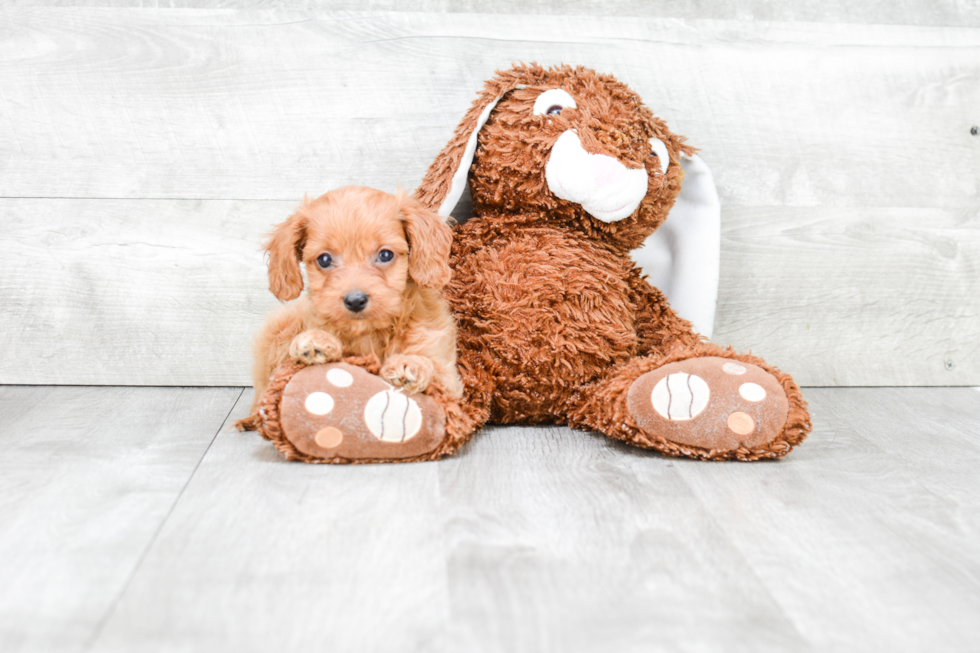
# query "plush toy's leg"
(700, 402)
(344, 413)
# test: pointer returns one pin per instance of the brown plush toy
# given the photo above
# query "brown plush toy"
(568, 173)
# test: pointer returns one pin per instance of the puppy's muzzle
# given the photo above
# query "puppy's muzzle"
(355, 301)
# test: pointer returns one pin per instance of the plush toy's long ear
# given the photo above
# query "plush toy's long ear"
(445, 181)
(682, 257)
(285, 249)
(429, 240)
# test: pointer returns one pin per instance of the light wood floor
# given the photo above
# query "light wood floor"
(132, 519)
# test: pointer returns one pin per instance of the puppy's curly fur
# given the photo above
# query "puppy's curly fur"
(359, 243)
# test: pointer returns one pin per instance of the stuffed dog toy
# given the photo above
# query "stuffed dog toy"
(568, 173)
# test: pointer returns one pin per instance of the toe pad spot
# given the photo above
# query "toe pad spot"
(741, 423)
(319, 403)
(733, 368)
(329, 437)
(340, 378)
(752, 392)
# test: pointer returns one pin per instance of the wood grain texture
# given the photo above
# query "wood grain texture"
(952, 13)
(133, 292)
(169, 292)
(266, 555)
(852, 297)
(867, 537)
(843, 156)
(270, 104)
(87, 477)
(559, 540)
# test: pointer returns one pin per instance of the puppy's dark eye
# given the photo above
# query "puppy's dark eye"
(386, 256)
(324, 261)
(554, 110)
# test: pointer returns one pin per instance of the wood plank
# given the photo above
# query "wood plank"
(87, 477)
(951, 13)
(852, 297)
(133, 292)
(261, 555)
(176, 289)
(868, 536)
(270, 104)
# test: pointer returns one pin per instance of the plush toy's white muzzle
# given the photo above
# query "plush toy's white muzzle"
(606, 189)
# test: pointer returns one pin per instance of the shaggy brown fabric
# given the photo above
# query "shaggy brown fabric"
(555, 321)
(736, 404)
(507, 178)
(615, 419)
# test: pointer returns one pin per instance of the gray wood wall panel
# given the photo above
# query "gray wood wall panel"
(87, 478)
(269, 105)
(842, 153)
(952, 13)
(133, 292)
(854, 297)
(170, 292)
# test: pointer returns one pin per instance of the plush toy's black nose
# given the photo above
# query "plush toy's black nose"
(355, 301)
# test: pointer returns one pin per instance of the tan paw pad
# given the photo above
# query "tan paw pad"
(709, 402)
(339, 410)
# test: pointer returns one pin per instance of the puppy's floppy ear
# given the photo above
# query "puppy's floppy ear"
(429, 240)
(285, 249)
(445, 180)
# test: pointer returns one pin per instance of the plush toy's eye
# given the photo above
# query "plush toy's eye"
(324, 261)
(386, 256)
(660, 150)
(552, 101)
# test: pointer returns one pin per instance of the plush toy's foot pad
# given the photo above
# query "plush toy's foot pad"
(710, 402)
(341, 411)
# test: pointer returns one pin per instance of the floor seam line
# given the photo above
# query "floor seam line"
(750, 569)
(97, 632)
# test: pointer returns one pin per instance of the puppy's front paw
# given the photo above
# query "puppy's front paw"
(414, 373)
(315, 347)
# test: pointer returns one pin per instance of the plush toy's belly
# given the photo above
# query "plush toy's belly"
(541, 312)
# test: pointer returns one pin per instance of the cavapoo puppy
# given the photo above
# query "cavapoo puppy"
(375, 266)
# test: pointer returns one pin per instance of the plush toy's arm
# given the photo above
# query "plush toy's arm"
(658, 327)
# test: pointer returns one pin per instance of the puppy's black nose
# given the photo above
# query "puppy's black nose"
(355, 301)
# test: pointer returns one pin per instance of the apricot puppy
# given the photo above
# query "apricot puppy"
(375, 266)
